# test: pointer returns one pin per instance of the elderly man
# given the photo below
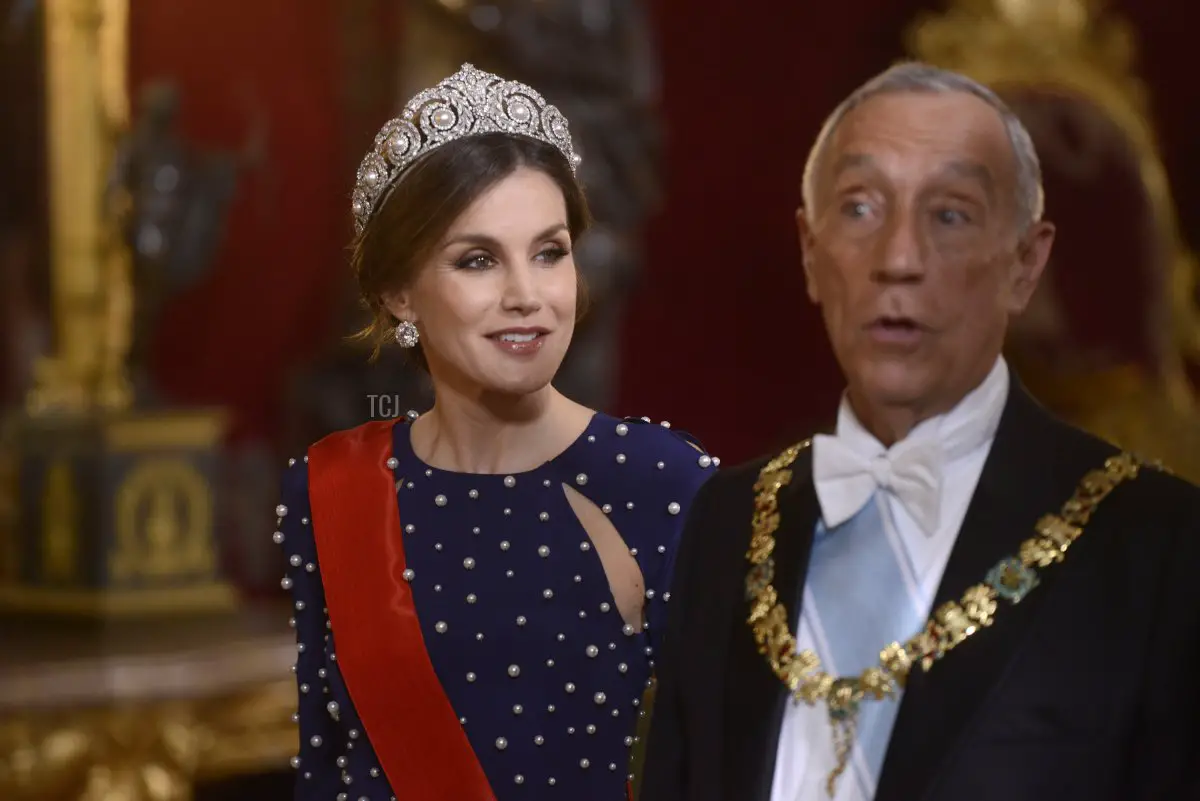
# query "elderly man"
(956, 597)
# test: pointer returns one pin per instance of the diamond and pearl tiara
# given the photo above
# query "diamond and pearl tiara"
(468, 103)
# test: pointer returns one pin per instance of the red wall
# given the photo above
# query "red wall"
(233, 339)
(727, 344)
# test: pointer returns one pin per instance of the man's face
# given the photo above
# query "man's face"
(913, 250)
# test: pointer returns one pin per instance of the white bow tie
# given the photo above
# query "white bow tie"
(845, 480)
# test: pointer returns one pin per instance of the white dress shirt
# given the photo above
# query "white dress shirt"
(805, 755)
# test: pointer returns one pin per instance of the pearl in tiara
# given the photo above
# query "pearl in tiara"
(468, 103)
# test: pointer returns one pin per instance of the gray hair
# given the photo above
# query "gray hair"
(915, 76)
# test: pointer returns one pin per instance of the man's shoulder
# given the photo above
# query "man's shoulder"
(1161, 494)
(734, 485)
(738, 479)
(1156, 494)
(719, 524)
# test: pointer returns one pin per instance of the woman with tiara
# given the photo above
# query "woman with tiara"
(477, 589)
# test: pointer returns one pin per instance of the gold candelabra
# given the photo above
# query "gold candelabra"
(87, 109)
(99, 472)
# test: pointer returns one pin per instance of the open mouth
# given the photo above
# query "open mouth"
(895, 330)
(520, 341)
(898, 324)
(512, 336)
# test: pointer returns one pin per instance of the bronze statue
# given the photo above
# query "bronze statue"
(169, 202)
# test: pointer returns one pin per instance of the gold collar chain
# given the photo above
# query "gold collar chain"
(1011, 579)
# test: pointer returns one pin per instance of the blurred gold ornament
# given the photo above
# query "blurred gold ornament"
(86, 64)
(1080, 48)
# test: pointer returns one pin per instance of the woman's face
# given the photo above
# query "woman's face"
(495, 304)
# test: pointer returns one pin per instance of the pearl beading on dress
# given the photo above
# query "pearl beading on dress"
(524, 546)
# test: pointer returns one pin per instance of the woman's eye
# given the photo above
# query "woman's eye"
(478, 261)
(553, 255)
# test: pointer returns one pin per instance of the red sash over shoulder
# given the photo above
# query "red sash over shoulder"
(413, 729)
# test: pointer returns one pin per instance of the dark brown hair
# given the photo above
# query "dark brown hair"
(426, 200)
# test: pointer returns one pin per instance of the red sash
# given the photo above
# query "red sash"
(356, 523)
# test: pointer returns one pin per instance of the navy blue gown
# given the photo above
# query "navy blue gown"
(515, 609)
